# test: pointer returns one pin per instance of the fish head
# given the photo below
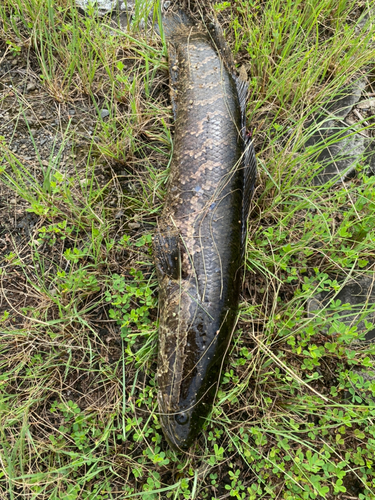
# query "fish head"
(187, 371)
(186, 392)
(180, 428)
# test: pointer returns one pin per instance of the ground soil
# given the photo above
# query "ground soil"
(40, 131)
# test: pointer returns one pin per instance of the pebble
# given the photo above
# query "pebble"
(102, 7)
(30, 87)
(104, 113)
(366, 104)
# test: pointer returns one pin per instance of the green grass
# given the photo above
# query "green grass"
(78, 412)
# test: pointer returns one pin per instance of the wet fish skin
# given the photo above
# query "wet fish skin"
(199, 244)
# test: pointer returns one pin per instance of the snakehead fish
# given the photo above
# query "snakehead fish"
(200, 241)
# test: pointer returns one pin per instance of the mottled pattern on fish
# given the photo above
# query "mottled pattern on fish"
(199, 244)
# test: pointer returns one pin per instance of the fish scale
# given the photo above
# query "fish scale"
(199, 243)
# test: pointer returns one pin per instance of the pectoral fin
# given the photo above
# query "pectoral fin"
(167, 255)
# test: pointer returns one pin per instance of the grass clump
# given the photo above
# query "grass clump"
(78, 312)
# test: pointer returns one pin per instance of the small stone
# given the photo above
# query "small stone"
(104, 113)
(341, 155)
(13, 201)
(30, 87)
(98, 7)
(344, 100)
(338, 147)
(350, 120)
(369, 154)
(367, 18)
(366, 104)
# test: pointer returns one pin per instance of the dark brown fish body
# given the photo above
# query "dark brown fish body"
(199, 245)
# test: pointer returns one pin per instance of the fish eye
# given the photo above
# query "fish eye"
(182, 418)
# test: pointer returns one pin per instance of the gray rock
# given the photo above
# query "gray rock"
(369, 155)
(104, 113)
(128, 5)
(100, 7)
(339, 149)
(368, 16)
(103, 7)
(360, 294)
(343, 102)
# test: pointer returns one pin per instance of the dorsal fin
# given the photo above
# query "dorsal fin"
(249, 164)
(220, 44)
